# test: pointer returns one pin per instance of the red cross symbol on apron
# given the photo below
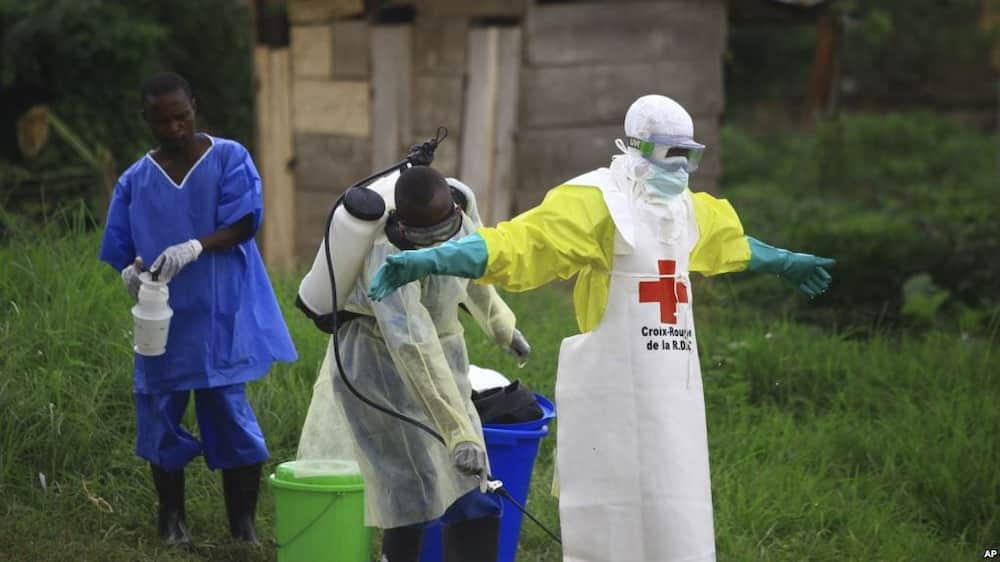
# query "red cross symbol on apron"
(666, 291)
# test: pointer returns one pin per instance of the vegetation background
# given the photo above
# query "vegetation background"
(862, 425)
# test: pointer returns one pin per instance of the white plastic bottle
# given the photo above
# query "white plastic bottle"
(152, 315)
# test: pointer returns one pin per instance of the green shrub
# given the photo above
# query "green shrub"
(87, 58)
(888, 196)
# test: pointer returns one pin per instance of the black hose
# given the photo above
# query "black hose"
(502, 492)
(336, 337)
(419, 155)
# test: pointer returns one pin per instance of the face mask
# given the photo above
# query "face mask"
(664, 182)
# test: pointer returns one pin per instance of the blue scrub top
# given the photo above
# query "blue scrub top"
(227, 327)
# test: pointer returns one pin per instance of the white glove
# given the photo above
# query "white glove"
(130, 277)
(470, 459)
(174, 258)
(519, 347)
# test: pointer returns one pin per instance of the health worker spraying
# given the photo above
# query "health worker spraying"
(394, 393)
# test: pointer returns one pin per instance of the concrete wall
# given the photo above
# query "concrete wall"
(585, 62)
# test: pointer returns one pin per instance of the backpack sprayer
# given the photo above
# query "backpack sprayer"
(359, 214)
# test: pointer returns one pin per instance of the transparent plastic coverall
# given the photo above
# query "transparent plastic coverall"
(407, 353)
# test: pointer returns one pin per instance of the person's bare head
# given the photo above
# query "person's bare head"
(423, 197)
(169, 109)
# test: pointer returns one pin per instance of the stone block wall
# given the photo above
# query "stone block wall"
(585, 62)
(532, 92)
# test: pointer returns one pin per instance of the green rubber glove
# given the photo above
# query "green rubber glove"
(461, 258)
(805, 272)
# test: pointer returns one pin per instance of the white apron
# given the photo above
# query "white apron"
(632, 444)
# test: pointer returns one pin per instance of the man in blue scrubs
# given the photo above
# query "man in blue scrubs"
(190, 208)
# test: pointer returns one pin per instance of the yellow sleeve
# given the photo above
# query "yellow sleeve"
(569, 232)
(722, 247)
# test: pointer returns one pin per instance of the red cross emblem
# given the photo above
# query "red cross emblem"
(664, 292)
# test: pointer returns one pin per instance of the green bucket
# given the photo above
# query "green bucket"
(319, 512)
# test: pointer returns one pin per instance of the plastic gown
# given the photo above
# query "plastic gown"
(572, 233)
(627, 246)
(406, 353)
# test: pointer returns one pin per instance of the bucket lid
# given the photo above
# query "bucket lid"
(334, 473)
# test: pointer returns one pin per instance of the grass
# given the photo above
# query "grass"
(824, 445)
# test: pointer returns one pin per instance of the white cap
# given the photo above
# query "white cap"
(657, 115)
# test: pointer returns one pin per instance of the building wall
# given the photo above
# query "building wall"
(585, 62)
(532, 92)
(331, 113)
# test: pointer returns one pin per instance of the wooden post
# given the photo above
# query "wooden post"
(490, 120)
(822, 75)
(262, 129)
(274, 141)
(391, 85)
(508, 73)
(280, 204)
(479, 122)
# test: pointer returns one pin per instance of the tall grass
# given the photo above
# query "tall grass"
(824, 445)
(829, 448)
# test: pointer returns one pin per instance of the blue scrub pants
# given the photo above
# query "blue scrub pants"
(230, 434)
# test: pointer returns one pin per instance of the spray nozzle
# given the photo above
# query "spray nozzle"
(493, 485)
(154, 274)
(422, 154)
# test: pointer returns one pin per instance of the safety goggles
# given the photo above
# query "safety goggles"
(423, 236)
(663, 150)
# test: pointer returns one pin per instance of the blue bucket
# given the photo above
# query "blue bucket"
(512, 449)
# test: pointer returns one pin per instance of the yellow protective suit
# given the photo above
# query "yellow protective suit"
(571, 233)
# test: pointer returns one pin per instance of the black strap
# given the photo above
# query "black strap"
(325, 322)
(395, 234)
